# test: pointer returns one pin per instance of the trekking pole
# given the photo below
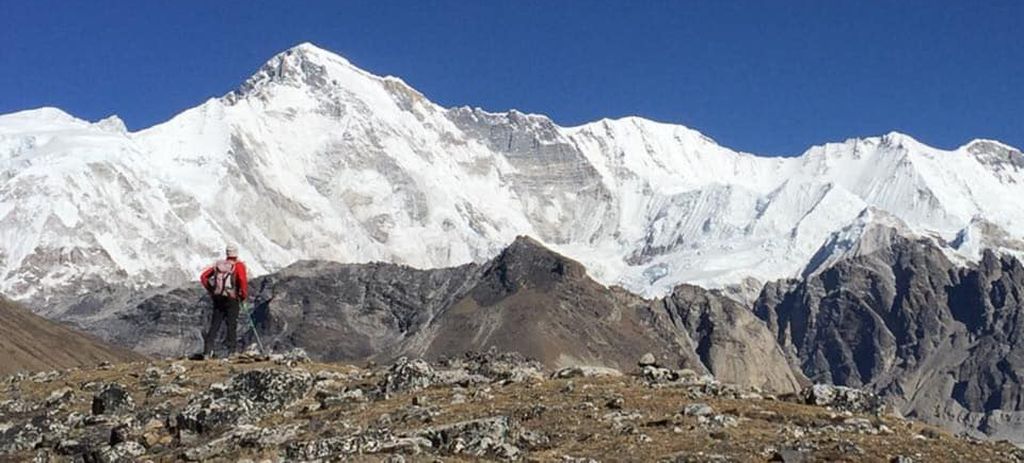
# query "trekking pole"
(252, 324)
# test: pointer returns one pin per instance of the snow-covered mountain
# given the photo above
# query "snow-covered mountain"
(314, 158)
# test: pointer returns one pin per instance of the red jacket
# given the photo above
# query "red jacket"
(241, 282)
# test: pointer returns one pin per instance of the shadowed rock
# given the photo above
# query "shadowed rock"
(941, 342)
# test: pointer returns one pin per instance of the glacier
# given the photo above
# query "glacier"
(314, 158)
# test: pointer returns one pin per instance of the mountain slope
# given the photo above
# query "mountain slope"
(31, 343)
(897, 316)
(313, 158)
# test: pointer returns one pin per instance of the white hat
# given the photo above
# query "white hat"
(231, 251)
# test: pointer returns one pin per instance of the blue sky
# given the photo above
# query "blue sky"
(768, 77)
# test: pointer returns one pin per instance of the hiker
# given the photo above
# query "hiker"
(226, 282)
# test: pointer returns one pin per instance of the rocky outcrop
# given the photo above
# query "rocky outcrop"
(248, 397)
(731, 342)
(939, 341)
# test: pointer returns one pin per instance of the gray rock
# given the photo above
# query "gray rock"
(366, 442)
(898, 318)
(243, 436)
(125, 452)
(654, 374)
(126, 432)
(407, 375)
(842, 398)
(291, 357)
(112, 399)
(615, 403)
(482, 437)
(790, 456)
(494, 366)
(334, 399)
(647, 360)
(585, 372)
(698, 409)
(249, 396)
(59, 398)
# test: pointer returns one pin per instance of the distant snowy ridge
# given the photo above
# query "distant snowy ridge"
(313, 158)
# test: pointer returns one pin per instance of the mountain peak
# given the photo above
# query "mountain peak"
(303, 65)
(899, 139)
(526, 263)
(41, 114)
(308, 52)
(309, 47)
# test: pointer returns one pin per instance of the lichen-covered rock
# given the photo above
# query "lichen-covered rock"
(125, 432)
(585, 372)
(39, 430)
(249, 396)
(483, 437)
(698, 409)
(376, 440)
(243, 436)
(124, 452)
(112, 399)
(506, 367)
(291, 357)
(407, 375)
(60, 397)
(655, 374)
(842, 398)
(329, 399)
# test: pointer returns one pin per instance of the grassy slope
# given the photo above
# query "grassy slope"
(29, 342)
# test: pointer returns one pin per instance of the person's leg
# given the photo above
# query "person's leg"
(231, 317)
(216, 318)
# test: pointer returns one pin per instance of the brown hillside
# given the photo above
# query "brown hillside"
(32, 343)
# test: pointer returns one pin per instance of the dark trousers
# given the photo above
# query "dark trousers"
(225, 310)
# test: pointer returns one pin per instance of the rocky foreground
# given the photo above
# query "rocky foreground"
(476, 406)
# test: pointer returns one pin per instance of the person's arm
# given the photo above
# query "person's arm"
(204, 279)
(243, 281)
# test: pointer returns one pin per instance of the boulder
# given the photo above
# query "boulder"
(486, 437)
(698, 409)
(112, 399)
(407, 375)
(125, 452)
(377, 440)
(585, 372)
(248, 397)
(842, 398)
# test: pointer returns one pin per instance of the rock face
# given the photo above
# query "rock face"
(32, 343)
(729, 339)
(942, 342)
(528, 300)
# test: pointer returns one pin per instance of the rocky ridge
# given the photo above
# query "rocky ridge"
(941, 341)
(488, 406)
(528, 299)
